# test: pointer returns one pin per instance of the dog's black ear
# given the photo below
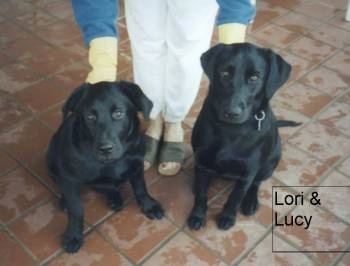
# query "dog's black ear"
(208, 60)
(137, 97)
(279, 71)
(71, 103)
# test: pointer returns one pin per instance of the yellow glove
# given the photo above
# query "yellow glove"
(103, 59)
(232, 33)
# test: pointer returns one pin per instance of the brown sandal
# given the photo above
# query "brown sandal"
(171, 152)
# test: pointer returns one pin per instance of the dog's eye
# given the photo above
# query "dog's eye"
(253, 78)
(117, 114)
(91, 117)
(225, 74)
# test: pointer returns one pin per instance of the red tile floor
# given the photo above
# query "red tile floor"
(42, 60)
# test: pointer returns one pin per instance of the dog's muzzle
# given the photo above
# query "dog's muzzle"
(106, 152)
(233, 114)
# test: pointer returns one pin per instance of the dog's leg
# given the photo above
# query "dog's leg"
(73, 236)
(227, 217)
(201, 184)
(250, 202)
(149, 206)
(114, 199)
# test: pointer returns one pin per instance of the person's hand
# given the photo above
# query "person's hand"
(103, 59)
(232, 33)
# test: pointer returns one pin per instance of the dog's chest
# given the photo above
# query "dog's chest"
(231, 160)
(95, 171)
(112, 170)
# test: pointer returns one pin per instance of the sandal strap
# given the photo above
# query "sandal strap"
(172, 152)
(152, 146)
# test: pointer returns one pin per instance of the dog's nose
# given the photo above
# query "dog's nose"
(105, 148)
(233, 112)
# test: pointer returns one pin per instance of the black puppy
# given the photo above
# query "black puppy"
(236, 133)
(99, 144)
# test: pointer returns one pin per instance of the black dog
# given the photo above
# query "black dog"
(236, 133)
(99, 144)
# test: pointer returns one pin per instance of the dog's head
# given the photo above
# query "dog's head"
(107, 113)
(243, 79)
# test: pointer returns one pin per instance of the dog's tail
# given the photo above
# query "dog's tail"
(287, 123)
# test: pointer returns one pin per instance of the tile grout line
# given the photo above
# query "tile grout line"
(37, 115)
(346, 157)
(9, 97)
(52, 256)
(40, 179)
(288, 11)
(11, 169)
(323, 21)
(147, 255)
(25, 165)
(301, 35)
(318, 63)
(265, 235)
(309, 255)
(315, 117)
(19, 243)
(245, 255)
(28, 210)
(160, 245)
(340, 256)
(115, 248)
(203, 245)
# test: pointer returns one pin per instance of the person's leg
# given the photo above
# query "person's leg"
(147, 27)
(189, 30)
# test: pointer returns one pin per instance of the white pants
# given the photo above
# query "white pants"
(167, 38)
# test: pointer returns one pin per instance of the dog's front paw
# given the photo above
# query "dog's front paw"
(225, 222)
(72, 243)
(153, 210)
(195, 221)
(249, 206)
